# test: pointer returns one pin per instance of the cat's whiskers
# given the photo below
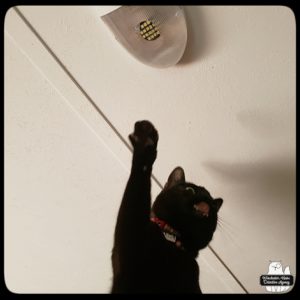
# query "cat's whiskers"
(227, 225)
(228, 232)
(227, 235)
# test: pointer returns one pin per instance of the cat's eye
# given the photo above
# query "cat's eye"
(190, 189)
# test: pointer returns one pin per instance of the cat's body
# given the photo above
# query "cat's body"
(157, 255)
(159, 266)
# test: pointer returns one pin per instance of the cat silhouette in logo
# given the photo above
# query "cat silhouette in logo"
(275, 268)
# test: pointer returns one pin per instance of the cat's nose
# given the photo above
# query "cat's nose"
(203, 208)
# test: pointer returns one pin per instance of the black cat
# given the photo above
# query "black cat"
(155, 249)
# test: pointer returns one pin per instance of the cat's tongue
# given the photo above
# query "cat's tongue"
(202, 208)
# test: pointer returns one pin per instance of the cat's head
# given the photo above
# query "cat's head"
(189, 209)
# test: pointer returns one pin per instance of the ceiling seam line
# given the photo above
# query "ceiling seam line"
(227, 268)
(68, 73)
(64, 68)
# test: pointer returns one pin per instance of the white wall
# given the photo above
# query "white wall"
(225, 113)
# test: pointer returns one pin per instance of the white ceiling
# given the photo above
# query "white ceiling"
(225, 113)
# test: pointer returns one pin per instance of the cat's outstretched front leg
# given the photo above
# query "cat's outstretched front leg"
(144, 141)
(134, 212)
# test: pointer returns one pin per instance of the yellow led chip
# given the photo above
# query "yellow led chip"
(148, 30)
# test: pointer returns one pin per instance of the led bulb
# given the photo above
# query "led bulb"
(155, 35)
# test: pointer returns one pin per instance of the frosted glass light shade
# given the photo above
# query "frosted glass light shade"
(155, 35)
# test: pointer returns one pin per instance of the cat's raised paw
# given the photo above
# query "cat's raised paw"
(144, 135)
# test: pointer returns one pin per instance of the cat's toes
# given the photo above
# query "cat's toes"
(133, 139)
(144, 134)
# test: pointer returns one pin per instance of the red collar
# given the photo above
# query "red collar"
(159, 222)
(168, 231)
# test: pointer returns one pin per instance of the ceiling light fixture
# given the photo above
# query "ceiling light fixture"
(155, 35)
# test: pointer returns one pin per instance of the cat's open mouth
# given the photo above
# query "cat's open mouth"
(202, 209)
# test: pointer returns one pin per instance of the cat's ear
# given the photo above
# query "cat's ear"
(218, 203)
(177, 176)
